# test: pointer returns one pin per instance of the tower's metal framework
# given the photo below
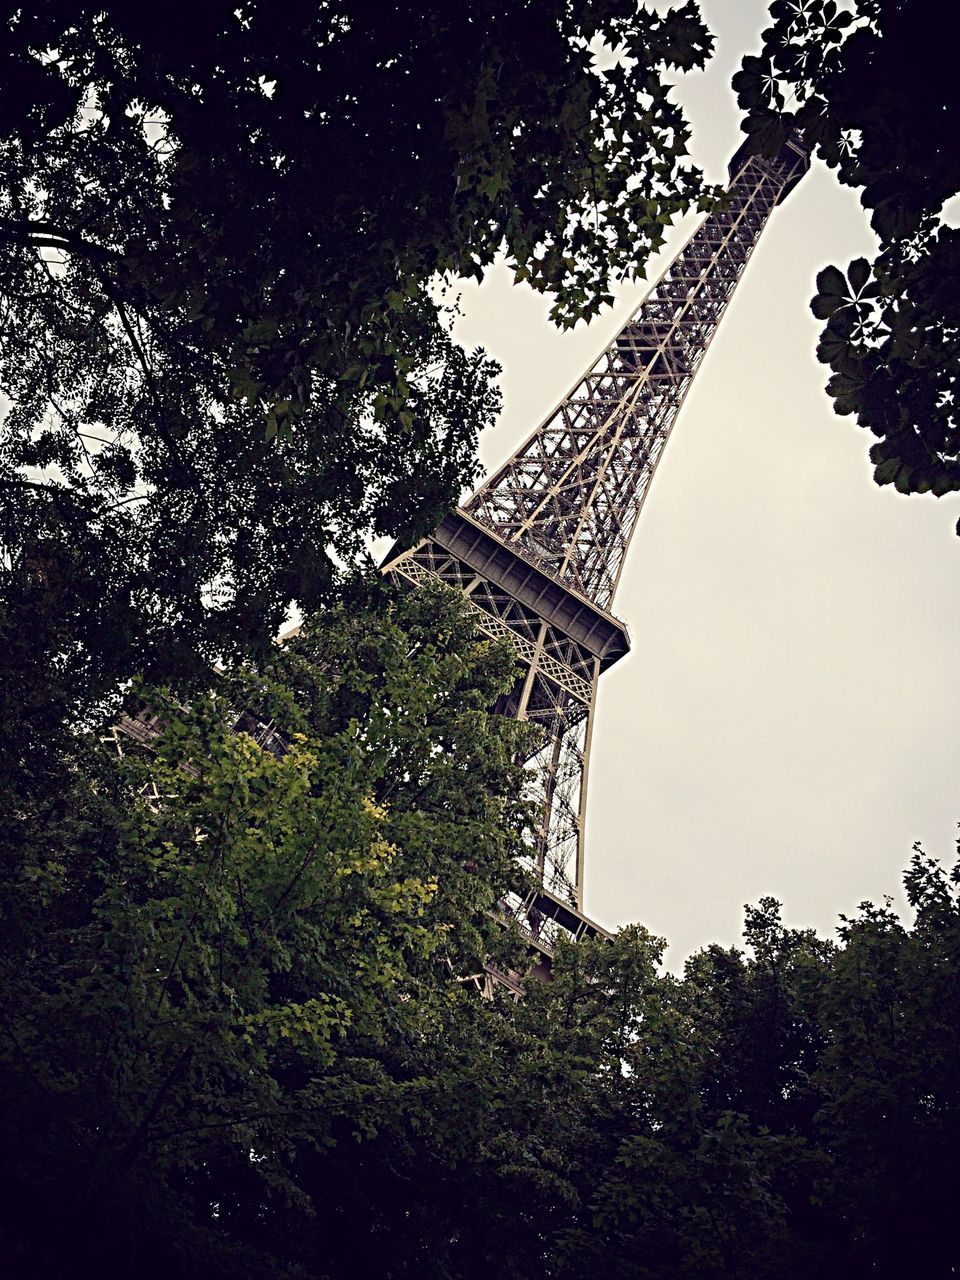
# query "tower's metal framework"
(539, 548)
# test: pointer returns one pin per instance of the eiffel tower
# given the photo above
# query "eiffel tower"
(539, 548)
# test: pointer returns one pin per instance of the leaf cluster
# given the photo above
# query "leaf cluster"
(235, 1039)
(217, 950)
(224, 363)
(872, 88)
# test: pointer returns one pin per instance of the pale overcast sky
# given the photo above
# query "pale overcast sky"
(788, 721)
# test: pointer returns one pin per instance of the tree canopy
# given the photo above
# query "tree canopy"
(875, 92)
(212, 946)
(224, 361)
(233, 1042)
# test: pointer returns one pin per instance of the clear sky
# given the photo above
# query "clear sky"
(788, 721)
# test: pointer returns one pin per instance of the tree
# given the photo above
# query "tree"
(233, 1042)
(224, 360)
(873, 90)
(219, 956)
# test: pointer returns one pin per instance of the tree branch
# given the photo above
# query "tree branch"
(46, 235)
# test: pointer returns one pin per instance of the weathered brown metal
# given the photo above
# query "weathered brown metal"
(539, 549)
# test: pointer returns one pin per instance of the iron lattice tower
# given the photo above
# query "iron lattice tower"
(539, 548)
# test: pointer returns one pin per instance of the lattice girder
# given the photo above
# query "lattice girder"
(556, 681)
(539, 549)
(571, 494)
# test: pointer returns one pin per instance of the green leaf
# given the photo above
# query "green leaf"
(831, 282)
(886, 472)
(858, 273)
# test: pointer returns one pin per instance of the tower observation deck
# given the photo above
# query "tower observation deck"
(539, 548)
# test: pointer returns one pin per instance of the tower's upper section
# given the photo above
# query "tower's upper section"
(792, 160)
(569, 498)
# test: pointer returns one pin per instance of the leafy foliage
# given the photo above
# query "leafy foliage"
(224, 362)
(873, 90)
(233, 1041)
(211, 949)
